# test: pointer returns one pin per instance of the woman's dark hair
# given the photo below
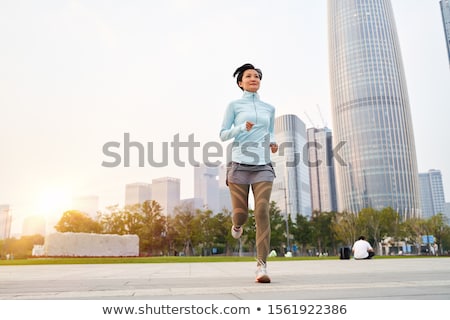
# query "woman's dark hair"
(240, 72)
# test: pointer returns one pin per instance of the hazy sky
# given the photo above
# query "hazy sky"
(76, 75)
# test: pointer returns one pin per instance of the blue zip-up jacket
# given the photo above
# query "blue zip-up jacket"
(249, 147)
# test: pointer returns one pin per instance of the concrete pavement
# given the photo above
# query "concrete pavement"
(381, 279)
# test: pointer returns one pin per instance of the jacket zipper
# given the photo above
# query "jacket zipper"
(256, 113)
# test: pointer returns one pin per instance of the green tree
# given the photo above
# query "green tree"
(77, 221)
(445, 240)
(436, 227)
(302, 232)
(322, 231)
(185, 230)
(389, 223)
(152, 229)
(20, 248)
(411, 230)
(206, 238)
(122, 221)
(223, 234)
(369, 221)
(345, 227)
(248, 239)
(278, 230)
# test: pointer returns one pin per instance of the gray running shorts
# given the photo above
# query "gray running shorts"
(240, 173)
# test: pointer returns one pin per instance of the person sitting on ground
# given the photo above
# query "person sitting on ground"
(362, 249)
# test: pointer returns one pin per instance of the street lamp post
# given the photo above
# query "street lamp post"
(287, 222)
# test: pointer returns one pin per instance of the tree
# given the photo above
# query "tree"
(77, 221)
(436, 226)
(345, 226)
(152, 228)
(20, 248)
(445, 241)
(302, 232)
(185, 229)
(389, 222)
(411, 230)
(322, 231)
(122, 221)
(278, 231)
(369, 220)
(223, 234)
(205, 223)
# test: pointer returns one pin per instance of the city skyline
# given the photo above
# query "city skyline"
(158, 70)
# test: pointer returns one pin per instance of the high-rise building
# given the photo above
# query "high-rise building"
(321, 170)
(370, 109)
(431, 193)
(166, 191)
(447, 211)
(5, 222)
(87, 204)
(137, 193)
(445, 11)
(206, 186)
(291, 190)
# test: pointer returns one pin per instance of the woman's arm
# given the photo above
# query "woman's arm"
(228, 130)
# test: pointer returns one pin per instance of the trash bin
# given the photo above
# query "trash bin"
(344, 253)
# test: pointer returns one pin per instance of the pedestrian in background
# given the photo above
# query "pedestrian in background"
(362, 249)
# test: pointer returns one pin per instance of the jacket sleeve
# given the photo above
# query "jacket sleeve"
(272, 126)
(228, 130)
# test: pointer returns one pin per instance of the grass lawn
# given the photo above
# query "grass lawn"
(106, 260)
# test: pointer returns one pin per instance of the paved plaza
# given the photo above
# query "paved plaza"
(385, 279)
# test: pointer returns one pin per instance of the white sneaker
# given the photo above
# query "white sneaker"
(261, 274)
(236, 232)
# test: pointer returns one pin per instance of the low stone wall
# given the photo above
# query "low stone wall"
(72, 244)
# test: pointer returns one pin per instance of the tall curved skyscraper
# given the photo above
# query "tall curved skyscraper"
(370, 109)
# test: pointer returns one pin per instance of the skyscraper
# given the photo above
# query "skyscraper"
(206, 186)
(5, 222)
(370, 108)
(447, 211)
(137, 193)
(432, 193)
(445, 11)
(321, 170)
(291, 189)
(166, 191)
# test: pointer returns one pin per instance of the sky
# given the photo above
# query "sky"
(78, 78)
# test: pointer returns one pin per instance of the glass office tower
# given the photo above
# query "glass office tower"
(291, 190)
(321, 169)
(445, 12)
(377, 164)
(432, 194)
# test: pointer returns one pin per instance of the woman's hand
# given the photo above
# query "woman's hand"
(249, 125)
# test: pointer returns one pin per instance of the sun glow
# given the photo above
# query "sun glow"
(54, 202)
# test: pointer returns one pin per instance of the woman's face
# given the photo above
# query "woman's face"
(250, 80)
